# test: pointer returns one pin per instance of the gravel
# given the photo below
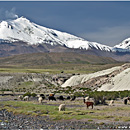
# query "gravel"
(11, 121)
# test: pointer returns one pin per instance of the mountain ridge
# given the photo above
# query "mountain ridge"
(20, 36)
(22, 29)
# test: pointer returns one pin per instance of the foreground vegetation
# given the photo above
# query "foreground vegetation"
(82, 91)
(114, 113)
(78, 109)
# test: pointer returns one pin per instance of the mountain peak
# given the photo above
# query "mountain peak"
(21, 36)
(124, 46)
(22, 18)
(24, 30)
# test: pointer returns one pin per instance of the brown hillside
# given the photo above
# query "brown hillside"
(38, 59)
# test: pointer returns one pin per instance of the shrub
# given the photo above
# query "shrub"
(105, 95)
(90, 120)
(101, 123)
(99, 98)
(33, 94)
(27, 94)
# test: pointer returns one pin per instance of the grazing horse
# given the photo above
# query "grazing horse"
(61, 98)
(126, 99)
(68, 98)
(62, 107)
(20, 97)
(73, 98)
(52, 94)
(88, 103)
(52, 98)
(111, 103)
(26, 98)
(42, 95)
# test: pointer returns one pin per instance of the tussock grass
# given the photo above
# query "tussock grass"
(31, 108)
(126, 119)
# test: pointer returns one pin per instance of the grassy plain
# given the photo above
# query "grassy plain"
(58, 68)
(77, 110)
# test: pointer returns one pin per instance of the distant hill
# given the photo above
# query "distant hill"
(39, 59)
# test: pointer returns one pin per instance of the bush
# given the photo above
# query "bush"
(33, 94)
(27, 94)
(78, 94)
(101, 96)
(125, 93)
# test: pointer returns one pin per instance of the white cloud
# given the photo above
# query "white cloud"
(11, 14)
(8, 14)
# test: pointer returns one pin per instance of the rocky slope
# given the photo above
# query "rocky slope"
(32, 82)
(114, 79)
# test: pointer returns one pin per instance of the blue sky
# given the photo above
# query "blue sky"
(104, 22)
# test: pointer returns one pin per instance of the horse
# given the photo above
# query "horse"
(20, 97)
(41, 97)
(88, 103)
(62, 107)
(126, 99)
(73, 98)
(26, 98)
(111, 103)
(52, 98)
(68, 98)
(52, 94)
(61, 98)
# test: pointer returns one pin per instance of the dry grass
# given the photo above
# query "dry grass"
(58, 68)
(75, 110)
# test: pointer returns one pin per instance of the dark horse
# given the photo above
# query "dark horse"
(88, 103)
(126, 100)
(61, 98)
(73, 98)
(52, 98)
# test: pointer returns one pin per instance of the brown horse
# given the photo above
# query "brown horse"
(88, 103)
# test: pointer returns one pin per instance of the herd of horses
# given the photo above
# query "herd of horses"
(49, 97)
(86, 100)
(52, 97)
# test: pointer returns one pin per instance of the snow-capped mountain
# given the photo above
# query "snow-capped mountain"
(124, 46)
(21, 29)
(21, 36)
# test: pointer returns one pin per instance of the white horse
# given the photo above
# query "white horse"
(26, 98)
(111, 103)
(62, 107)
(20, 97)
(40, 99)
